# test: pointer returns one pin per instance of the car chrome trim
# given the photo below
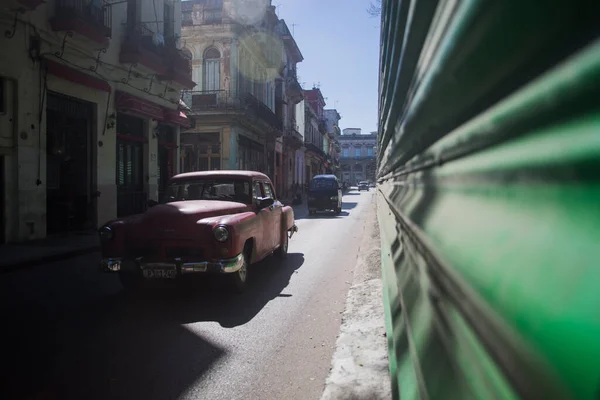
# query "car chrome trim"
(226, 266)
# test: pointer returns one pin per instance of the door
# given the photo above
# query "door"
(263, 234)
(167, 146)
(131, 196)
(274, 216)
(70, 205)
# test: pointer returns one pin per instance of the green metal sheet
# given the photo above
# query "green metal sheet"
(489, 199)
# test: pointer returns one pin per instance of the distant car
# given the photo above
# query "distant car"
(325, 193)
(363, 185)
(213, 221)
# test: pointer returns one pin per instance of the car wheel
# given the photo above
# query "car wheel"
(239, 278)
(282, 251)
(131, 282)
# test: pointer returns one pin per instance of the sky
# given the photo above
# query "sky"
(340, 45)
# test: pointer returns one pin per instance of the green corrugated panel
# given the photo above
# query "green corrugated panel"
(489, 200)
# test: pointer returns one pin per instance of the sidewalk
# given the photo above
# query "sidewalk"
(22, 255)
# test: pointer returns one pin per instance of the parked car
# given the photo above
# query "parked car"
(363, 185)
(324, 193)
(209, 222)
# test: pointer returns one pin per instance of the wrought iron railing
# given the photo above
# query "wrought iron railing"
(140, 34)
(98, 16)
(226, 100)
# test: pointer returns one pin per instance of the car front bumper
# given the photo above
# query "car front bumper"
(223, 266)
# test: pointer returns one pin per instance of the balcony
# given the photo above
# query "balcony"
(84, 18)
(143, 46)
(29, 4)
(293, 138)
(224, 102)
(179, 67)
(323, 126)
(311, 147)
(294, 89)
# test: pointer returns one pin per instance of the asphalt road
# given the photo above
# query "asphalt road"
(70, 332)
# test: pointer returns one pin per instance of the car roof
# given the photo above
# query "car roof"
(325, 176)
(223, 174)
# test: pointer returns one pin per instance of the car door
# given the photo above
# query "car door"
(263, 240)
(275, 215)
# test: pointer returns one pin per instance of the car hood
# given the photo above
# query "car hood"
(178, 219)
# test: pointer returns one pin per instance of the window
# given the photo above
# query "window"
(370, 151)
(210, 189)
(212, 73)
(256, 191)
(269, 192)
(357, 152)
(323, 183)
(169, 24)
(345, 152)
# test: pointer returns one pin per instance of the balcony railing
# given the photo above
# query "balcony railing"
(294, 135)
(315, 149)
(97, 17)
(323, 126)
(147, 38)
(224, 101)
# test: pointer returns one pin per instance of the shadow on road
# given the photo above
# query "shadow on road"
(348, 205)
(328, 215)
(211, 300)
(118, 346)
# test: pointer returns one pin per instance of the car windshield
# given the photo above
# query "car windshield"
(209, 189)
(322, 183)
(363, 183)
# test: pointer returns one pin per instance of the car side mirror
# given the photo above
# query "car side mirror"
(265, 202)
(152, 203)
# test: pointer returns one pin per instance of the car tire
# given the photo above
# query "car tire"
(239, 279)
(282, 252)
(131, 282)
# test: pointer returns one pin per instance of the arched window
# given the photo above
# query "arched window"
(212, 73)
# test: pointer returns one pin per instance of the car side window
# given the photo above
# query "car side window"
(269, 190)
(256, 191)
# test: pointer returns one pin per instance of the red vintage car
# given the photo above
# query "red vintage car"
(215, 221)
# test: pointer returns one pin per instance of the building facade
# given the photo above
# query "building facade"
(332, 119)
(89, 111)
(315, 132)
(245, 103)
(359, 154)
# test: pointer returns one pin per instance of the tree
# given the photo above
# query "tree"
(374, 9)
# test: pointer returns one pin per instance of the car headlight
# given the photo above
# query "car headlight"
(333, 198)
(221, 233)
(106, 233)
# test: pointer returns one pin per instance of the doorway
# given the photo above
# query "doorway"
(2, 204)
(167, 146)
(70, 205)
(131, 195)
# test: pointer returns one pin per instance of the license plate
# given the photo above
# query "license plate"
(160, 273)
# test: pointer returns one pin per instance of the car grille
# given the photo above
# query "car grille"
(147, 252)
(183, 252)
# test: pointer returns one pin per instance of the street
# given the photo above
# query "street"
(70, 332)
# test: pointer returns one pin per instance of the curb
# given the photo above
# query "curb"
(7, 268)
(360, 366)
